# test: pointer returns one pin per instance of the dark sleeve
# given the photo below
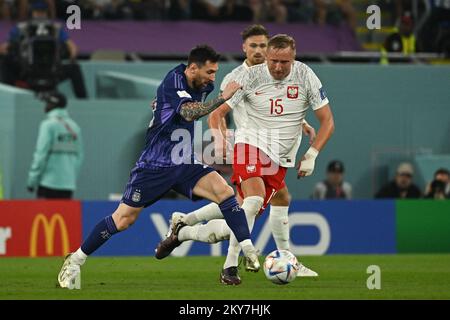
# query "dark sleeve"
(175, 93)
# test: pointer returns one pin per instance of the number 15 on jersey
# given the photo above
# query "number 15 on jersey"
(276, 106)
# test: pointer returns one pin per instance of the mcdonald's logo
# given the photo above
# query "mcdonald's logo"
(49, 226)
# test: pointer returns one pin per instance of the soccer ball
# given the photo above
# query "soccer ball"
(281, 266)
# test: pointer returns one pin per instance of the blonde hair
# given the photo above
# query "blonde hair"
(281, 41)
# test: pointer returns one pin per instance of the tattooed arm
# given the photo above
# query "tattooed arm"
(191, 111)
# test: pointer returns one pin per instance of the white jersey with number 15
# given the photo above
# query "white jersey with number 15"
(270, 112)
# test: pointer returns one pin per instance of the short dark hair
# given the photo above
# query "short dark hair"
(202, 53)
(442, 171)
(56, 100)
(281, 41)
(254, 30)
(335, 166)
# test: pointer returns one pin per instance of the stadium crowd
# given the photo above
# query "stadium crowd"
(281, 11)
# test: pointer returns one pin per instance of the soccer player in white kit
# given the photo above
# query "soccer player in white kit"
(269, 114)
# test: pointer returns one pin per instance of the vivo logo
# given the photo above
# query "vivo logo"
(261, 240)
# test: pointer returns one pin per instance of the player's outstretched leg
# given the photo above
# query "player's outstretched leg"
(279, 223)
(70, 273)
(235, 217)
(229, 274)
(204, 214)
(213, 187)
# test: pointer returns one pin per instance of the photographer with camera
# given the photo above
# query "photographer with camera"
(439, 188)
(34, 53)
(59, 152)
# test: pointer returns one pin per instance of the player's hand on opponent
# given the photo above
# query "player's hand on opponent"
(306, 165)
(230, 89)
(309, 131)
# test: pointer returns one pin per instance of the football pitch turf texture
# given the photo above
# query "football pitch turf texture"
(403, 276)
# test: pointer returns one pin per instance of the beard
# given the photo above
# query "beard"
(198, 84)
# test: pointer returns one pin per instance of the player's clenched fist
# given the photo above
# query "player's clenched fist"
(230, 89)
(306, 165)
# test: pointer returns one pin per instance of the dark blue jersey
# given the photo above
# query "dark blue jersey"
(169, 139)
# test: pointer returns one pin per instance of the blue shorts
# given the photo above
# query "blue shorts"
(148, 185)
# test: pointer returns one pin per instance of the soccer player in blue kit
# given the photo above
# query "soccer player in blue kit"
(179, 102)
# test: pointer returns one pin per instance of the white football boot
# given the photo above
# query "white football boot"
(70, 275)
(252, 261)
(174, 219)
(305, 272)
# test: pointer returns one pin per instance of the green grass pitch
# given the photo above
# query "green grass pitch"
(341, 277)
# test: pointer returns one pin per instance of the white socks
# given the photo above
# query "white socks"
(212, 232)
(251, 206)
(205, 213)
(279, 223)
(78, 257)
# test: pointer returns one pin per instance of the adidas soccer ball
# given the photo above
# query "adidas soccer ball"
(281, 266)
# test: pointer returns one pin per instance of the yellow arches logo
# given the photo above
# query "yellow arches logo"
(49, 233)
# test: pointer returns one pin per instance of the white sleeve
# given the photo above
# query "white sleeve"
(225, 81)
(243, 79)
(317, 96)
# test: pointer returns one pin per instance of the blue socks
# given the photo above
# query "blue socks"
(235, 217)
(101, 233)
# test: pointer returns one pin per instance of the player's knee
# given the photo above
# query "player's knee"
(285, 199)
(124, 223)
(252, 205)
(124, 220)
(282, 199)
(223, 192)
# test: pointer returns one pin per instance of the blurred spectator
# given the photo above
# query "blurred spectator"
(6, 6)
(300, 10)
(277, 11)
(402, 186)
(26, 6)
(144, 9)
(206, 9)
(402, 7)
(434, 35)
(59, 152)
(179, 10)
(335, 11)
(104, 9)
(34, 51)
(61, 8)
(437, 191)
(220, 10)
(401, 41)
(440, 184)
(259, 10)
(268, 11)
(232, 10)
(334, 186)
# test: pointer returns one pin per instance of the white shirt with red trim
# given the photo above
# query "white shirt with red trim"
(269, 113)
